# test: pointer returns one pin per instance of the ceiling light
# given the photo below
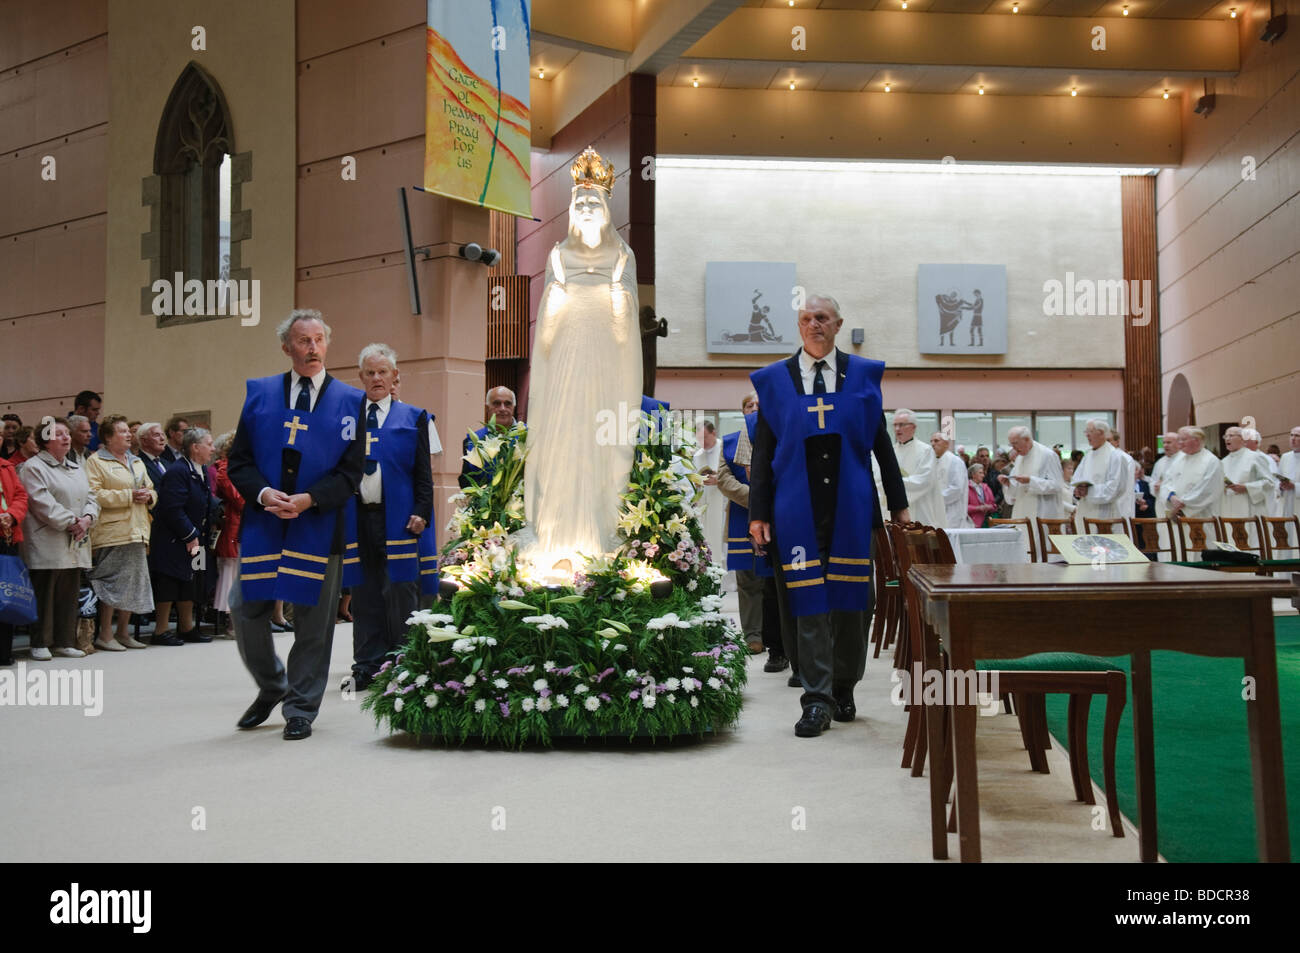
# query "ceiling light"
(1074, 91)
(886, 87)
(791, 84)
(1015, 8)
(1166, 96)
(695, 83)
(1126, 9)
(904, 4)
(541, 73)
(1232, 13)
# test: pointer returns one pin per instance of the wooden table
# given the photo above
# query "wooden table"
(987, 611)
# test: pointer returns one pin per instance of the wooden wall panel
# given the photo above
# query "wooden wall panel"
(57, 95)
(1141, 341)
(328, 25)
(32, 202)
(32, 30)
(52, 269)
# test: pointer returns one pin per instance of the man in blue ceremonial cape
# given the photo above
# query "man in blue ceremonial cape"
(812, 505)
(396, 547)
(297, 461)
(501, 402)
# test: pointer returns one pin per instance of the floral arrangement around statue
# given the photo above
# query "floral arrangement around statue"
(635, 646)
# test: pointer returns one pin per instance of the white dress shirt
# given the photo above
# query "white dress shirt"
(807, 366)
(372, 485)
(317, 380)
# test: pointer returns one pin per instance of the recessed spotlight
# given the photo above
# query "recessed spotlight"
(981, 90)
(1074, 91)
(904, 4)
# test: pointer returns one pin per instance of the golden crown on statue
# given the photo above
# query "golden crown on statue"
(590, 169)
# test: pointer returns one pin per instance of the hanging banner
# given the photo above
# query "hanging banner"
(477, 125)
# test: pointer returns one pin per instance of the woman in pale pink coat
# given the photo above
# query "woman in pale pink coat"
(979, 497)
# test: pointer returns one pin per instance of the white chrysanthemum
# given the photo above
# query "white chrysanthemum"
(562, 701)
(470, 680)
(421, 680)
(667, 621)
(688, 670)
(398, 704)
(672, 684)
(548, 666)
(592, 703)
(580, 689)
(632, 673)
(539, 684)
(695, 701)
(672, 697)
(480, 705)
(500, 683)
(710, 603)
(648, 699)
(714, 683)
(692, 586)
(528, 704)
(544, 704)
(619, 595)
(430, 701)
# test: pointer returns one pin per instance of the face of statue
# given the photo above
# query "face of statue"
(589, 215)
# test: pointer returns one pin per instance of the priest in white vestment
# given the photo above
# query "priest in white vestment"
(1033, 484)
(916, 461)
(1129, 508)
(1160, 471)
(1195, 488)
(708, 459)
(1252, 438)
(1288, 471)
(1100, 481)
(953, 482)
(1247, 481)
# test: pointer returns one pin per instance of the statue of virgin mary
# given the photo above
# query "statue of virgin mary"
(586, 372)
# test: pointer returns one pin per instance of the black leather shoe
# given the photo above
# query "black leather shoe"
(357, 681)
(794, 681)
(776, 662)
(167, 638)
(297, 728)
(278, 627)
(195, 635)
(815, 720)
(258, 712)
(845, 710)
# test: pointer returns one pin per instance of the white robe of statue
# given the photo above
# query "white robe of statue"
(1247, 467)
(916, 460)
(1197, 480)
(586, 378)
(714, 520)
(1104, 470)
(954, 489)
(1041, 496)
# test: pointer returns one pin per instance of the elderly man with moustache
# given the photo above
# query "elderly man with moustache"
(820, 420)
(297, 460)
(395, 545)
(953, 480)
(1194, 485)
(1101, 483)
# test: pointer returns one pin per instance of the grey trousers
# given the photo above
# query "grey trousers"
(309, 659)
(380, 606)
(749, 590)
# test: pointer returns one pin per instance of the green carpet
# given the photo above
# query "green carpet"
(1204, 800)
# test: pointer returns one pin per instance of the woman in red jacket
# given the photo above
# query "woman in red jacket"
(13, 507)
(979, 498)
(228, 541)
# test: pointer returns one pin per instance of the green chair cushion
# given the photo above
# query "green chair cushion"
(1048, 662)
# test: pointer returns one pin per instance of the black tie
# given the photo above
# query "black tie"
(304, 396)
(372, 424)
(819, 382)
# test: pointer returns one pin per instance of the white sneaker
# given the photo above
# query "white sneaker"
(69, 653)
(41, 654)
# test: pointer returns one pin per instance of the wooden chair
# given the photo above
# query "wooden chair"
(1282, 534)
(1048, 526)
(908, 545)
(1191, 534)
(1109, 526)
(1237, 531)
(1029, 533)
(1145, 533)
(888, 593)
